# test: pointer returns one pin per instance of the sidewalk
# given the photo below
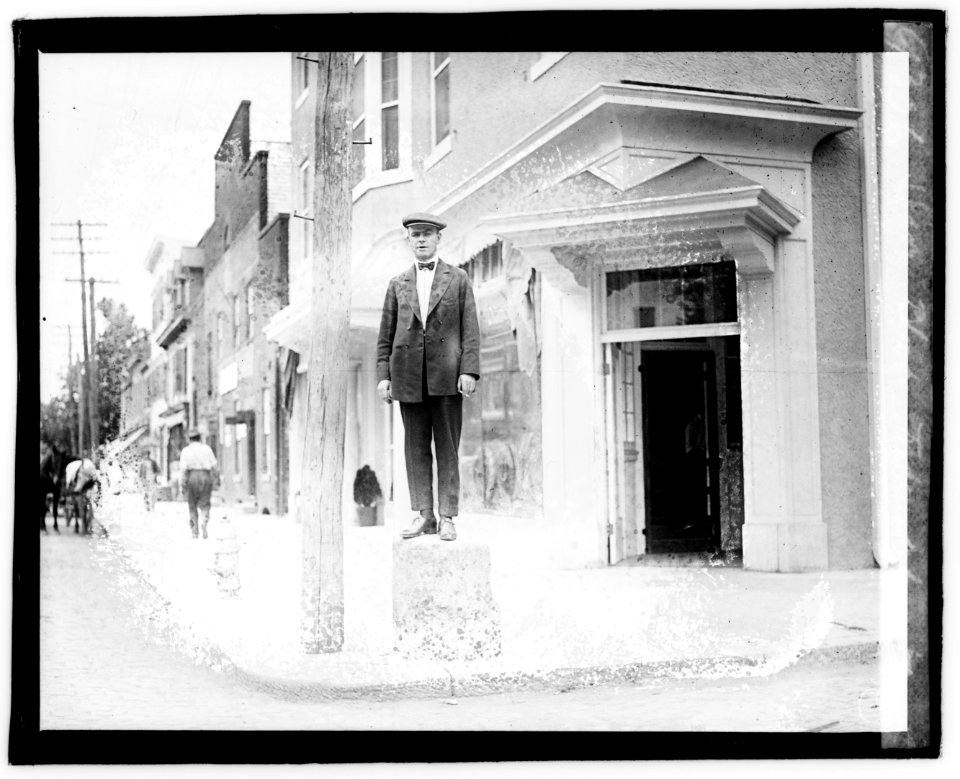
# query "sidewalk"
(560, 628)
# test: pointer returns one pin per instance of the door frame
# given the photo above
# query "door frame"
(616, 524)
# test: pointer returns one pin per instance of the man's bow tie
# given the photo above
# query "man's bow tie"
(425, 265)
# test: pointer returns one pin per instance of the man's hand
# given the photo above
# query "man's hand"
(466, 385)
(383, 390)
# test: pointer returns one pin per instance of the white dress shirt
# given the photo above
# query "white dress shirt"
(197, 456)
(424, 285)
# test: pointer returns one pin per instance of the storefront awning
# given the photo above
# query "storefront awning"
(121, 444)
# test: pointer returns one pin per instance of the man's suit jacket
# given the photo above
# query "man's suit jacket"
(450, 338)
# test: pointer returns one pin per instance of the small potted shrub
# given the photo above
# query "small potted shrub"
(367, 495)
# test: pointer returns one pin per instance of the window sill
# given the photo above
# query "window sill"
(440, 151)
(382, 179)
(302, 99)
(542, 65)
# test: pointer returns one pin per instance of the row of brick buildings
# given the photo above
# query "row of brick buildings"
(688, 315)
(209, 365)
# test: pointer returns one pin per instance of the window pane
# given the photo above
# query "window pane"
(442, 104)
(305, 187)
(304, 70)
(388, 77)
(391, 138)
(356, 153)
(358, 89)
(667, 297)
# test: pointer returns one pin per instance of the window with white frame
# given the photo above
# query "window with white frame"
(440, 91)
(382, 120)
(359, 116)
(390, 110)
(303, 71)
(305, 207)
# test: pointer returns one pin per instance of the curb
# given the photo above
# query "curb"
(152, 613)
(558, 680)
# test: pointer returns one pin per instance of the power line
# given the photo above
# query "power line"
(89, 376)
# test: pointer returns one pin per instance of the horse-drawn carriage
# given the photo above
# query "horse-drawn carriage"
(71, 483)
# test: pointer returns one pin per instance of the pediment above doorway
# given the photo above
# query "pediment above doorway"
(602, 131)
(694, 211)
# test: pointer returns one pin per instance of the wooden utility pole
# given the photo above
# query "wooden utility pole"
(322, 476)
(70, 388)
(81, 409)
(89, 393)
(95, 366)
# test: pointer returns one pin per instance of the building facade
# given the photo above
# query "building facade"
(168, 371)
(679, 271)
(238, 372)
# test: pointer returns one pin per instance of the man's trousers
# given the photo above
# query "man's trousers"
(440, 418)
(199, 485)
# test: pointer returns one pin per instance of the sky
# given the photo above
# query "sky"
(127, 141)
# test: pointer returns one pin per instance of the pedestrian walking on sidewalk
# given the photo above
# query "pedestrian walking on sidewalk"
(198, 472)
(428, 359)
(147, 473)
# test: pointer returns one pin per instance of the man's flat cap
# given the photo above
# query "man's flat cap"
(423, 218)
(194, 434)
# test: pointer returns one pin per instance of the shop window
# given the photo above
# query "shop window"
(485, 265)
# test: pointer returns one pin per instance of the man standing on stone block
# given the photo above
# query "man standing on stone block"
(428, 359)
(198, 472)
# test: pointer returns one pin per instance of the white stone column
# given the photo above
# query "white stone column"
(573, 496)
(783, 528)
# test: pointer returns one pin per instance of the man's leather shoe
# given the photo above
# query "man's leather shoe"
(447, 530)
(420, 526)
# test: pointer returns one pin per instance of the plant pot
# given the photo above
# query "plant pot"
(366, 516)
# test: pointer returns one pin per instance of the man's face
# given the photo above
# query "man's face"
(423, 239)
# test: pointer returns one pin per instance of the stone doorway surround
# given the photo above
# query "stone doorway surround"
(657, 177)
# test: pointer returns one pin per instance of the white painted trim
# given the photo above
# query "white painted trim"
(767, 212)
(832, 118)
(440, 151)
(891, 352)
(547, 60)
(302, 99)
(382, 179)
(668, 333)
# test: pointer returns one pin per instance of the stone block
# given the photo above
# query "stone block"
(789, 547)
(803, 547)
(443, 604)
(760, 546)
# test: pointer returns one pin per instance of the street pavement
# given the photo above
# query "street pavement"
(561, 629)
(105, 664)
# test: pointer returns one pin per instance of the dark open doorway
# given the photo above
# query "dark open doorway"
(680, 451)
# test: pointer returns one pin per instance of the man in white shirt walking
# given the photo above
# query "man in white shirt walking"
(198, 471)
